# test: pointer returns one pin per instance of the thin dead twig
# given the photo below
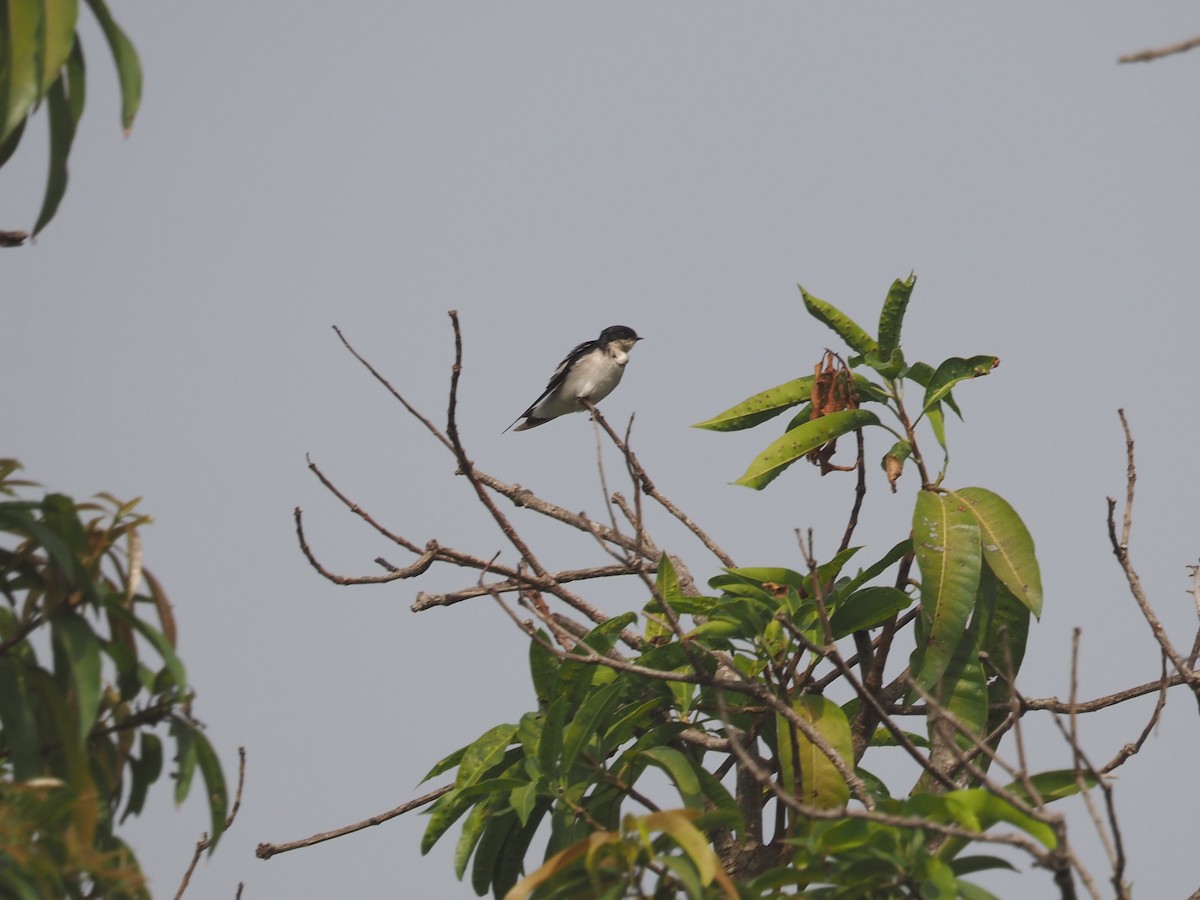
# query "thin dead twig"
(643, 481)
(1160, 52)
(205, 842)
(1120, 547)
(266, 851)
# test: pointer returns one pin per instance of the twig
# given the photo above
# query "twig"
(426, 601)
(1120, 548)
(1151, 55)
(266, 851)
(433, 429)
(860, 491)
(205, 842)
(642, 479)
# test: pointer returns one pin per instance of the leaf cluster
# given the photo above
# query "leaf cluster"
(41, 60)
(89, 677)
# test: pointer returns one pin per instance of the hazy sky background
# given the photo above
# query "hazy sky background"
(547, 170)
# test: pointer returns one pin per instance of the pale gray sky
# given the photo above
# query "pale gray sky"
(550, 169)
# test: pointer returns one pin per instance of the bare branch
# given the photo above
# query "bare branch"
(1120, 547)
(643, 480)
(266, 851)
(1159, 53)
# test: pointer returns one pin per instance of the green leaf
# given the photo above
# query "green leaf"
(214, 785)
(588, 722)
(543, 669)
(20, 727)
(485, 752)
(1007, 545)
(891, 318)
(866, 609)
(821, 785)
(762, 406)
(954, 370)
(876, 569)
(680, 769)
(129, 69)
(794, 444)
(979, 809)
(62, 134)
(20, 62)
(472, 830)
(81, 649)
(446, 763)
(156, 639)
(947, 542)
(145, 770)
(59, 36)
(185, 758)
(830, 316)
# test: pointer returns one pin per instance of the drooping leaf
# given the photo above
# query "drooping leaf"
(214, 787)
(820, 783)
(954, 370)
(21, 58)
(1007, 545)
(17, 720)
(947, 543)
(845, 327)
(62, 134)
(792, 446)
(129, 69)
(680, 769)
(59, 36)
(80, 647)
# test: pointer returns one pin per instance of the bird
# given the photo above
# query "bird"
(589, 372)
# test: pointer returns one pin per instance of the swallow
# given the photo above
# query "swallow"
(590, 372)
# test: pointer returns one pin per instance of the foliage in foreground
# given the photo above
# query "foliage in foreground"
(88, 674)
(41, 60)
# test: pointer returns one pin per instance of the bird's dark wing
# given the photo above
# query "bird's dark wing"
(559, 376)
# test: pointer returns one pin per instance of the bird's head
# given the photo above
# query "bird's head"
(622, 336)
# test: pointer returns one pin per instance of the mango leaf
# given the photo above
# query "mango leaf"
(762, 406)
(588, 722)
(129, 69)
(543, 670)
(922, 374)
(17, 720)
(1007, 544)
(947, 542)
(876, 569)
(792, 446)
(954, 370)
(80, 647)
(678, 824)
(62, 120)
(821, 785)
(21, 54)
(830, 316)
(214, 786)
(867, 608)
(485, 752)
(681, 771)
(58, 36)
(559, 863)
(891, 318)
(979, 809)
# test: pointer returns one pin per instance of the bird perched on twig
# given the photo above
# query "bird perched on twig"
(590, 372)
